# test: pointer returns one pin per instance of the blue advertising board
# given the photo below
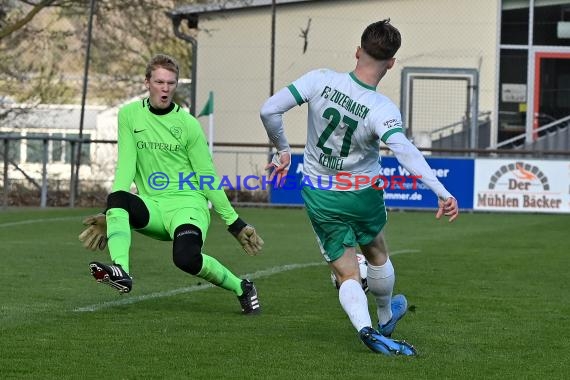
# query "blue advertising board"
(456, 174)
(401, 189)
(286, 194)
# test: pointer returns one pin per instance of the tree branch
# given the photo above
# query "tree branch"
(305, 36)
(9, 29)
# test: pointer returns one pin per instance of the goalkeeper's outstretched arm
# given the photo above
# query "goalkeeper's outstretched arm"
(246, 235)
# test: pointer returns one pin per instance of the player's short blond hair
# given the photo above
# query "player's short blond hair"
(164, 61)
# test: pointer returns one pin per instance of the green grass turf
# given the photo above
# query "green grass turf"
(490, 292)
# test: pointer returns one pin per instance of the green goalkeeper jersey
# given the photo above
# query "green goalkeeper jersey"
(165, 153)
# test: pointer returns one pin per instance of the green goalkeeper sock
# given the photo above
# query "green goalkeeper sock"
(214, 272)
(119, 235)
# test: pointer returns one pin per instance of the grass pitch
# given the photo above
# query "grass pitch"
(490, 293)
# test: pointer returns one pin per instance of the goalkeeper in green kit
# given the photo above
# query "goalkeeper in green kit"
(163, 150)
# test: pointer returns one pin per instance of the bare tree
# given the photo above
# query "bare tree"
(14, 16)
(42, 44)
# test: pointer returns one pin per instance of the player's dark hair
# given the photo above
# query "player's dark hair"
(381, 40)
(164, 61)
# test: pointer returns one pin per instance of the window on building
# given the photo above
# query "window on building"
(551, 26)
(35, 148)
(551, 23)
(85, 149)
(57, 148)
(13, 147)
(514, 22)
(512, 92)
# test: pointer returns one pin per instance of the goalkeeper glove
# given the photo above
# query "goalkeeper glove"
(246, 235)
(95, 235)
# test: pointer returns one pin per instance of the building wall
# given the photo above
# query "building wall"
(234, 52)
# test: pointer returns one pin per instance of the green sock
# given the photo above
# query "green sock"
(119, 235)
(214, 272)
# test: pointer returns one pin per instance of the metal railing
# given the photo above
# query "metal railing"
(456, 134)
(43, 187)
(232, 159)
(521, 138)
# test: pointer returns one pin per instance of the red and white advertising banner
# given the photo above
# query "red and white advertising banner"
(522, 185)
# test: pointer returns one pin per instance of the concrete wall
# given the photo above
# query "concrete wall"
(234, 51)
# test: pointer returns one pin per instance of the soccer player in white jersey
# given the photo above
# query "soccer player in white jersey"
(347, 119)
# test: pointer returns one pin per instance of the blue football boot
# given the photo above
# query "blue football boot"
(399, 307)
(382, 345)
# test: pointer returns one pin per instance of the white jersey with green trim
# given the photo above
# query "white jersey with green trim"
(346, 121)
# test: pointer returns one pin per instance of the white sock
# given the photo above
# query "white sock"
(381, 284)
(355, 304)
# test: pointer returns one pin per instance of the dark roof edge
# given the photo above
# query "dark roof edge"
(227, 5)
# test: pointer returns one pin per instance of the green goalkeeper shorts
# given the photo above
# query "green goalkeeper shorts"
(343, 219)
(169, 211)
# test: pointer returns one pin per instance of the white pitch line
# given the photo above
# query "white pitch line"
(195, 288)
(32, 221)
